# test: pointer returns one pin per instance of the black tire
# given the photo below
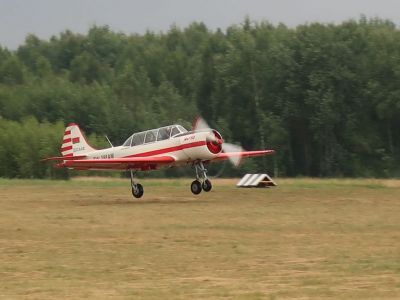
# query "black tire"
(207, 186)
(138, 192)
(195, 187)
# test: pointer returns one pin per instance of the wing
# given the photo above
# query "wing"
(143, 163)
(242, 154)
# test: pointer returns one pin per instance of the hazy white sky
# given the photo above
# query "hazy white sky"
(45, 18)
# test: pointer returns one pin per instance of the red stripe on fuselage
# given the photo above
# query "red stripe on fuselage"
(66, 132)
(66, 141)
(66, 148)
(169, 149)
(68, 155)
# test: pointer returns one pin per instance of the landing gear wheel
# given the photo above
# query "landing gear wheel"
(207, 186)
(195, 187)
(137, 191)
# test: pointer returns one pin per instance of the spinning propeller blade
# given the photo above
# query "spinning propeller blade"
(227, 148)
(200, 124)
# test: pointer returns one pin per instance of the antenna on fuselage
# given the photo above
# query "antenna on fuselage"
(112, 146)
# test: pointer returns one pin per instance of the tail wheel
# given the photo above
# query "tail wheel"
(207, 186)
(195, 187)
(137, 190)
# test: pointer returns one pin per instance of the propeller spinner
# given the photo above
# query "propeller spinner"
(216, 144)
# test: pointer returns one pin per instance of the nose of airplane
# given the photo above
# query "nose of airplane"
(214, 142)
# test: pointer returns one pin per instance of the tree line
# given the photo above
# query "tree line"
(326, 97)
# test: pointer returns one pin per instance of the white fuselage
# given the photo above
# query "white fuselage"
(184, 148)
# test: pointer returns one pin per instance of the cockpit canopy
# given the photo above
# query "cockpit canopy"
(153, 135)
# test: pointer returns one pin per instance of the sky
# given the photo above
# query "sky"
(46, 18)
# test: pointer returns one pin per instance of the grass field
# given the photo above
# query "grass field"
(321, 239)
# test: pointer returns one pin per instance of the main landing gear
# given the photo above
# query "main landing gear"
(201, 182)
(137, 188)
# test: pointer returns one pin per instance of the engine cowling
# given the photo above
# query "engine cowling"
(214, 143)
(201, 145)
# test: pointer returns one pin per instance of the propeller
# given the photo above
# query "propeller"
(201, 124)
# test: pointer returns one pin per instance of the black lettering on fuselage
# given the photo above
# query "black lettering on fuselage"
(107, 156)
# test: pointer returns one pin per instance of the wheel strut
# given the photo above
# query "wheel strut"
(202, 181)
(137, 188)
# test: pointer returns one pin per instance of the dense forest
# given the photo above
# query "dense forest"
(326, 97)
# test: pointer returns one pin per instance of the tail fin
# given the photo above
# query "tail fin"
(74, 142)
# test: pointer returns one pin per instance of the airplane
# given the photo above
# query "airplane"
(152, 149)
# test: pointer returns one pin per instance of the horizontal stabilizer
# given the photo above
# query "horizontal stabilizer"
(64, 158)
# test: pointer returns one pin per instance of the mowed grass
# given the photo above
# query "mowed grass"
(321, 239)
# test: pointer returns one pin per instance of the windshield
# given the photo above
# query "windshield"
(127, 142)
(174, 131)
(181, 129)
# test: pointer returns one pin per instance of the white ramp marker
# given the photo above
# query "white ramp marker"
(252, 179)
(243, 180)
(256, 180)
